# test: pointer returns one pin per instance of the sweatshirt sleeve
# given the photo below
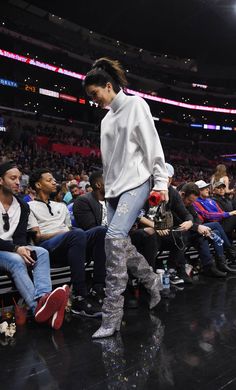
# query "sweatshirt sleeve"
(149, 142)
(209, 215)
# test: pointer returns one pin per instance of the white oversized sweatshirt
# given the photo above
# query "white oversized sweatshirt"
(130, 147)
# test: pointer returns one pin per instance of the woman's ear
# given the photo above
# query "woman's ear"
(109, 86)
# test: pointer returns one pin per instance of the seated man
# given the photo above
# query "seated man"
(209, 211)
(17, 257)
(51, 222)
(148, 242)
(75, 190)
(197, 236)
(90, 210)
(219, 195)
(226, 203)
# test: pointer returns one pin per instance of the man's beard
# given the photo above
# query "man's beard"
(8, 191)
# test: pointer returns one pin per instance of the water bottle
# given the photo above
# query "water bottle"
(218, 240)
(166, 277)
(166, 280)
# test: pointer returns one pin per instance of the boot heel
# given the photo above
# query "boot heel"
(108, 329)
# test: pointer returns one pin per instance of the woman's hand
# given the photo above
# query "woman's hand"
(164, 195)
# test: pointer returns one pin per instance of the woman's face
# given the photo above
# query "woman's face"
(103, 96)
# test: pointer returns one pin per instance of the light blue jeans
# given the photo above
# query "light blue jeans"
(123, 210)
(28, 289)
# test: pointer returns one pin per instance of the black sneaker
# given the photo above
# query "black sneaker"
(186, 278)
(175, 279)
(87, 307)
(212, 271)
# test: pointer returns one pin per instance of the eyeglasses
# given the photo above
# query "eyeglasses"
(6, 225)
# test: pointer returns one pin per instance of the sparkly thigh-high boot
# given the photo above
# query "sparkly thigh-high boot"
(139, 267)
(116, 281)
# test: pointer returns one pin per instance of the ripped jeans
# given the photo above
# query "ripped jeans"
(123, 210)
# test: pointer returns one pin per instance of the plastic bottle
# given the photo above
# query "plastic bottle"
(166, 277)
(218, 240)
(154, 199)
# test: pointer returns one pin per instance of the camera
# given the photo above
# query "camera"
(33, 254)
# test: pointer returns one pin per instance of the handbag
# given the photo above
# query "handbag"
(163, 219)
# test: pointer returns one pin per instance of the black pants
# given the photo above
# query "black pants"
(201, 244)
(229, 225)
(149, 245)
(72, 248)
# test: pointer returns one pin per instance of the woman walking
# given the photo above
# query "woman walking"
(131, 153)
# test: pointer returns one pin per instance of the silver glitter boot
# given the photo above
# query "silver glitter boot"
(139, 267)
(116, 281)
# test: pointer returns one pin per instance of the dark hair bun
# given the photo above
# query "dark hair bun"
(113, 68)
(102, 63)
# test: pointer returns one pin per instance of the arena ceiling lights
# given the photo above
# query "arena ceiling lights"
(66, 72)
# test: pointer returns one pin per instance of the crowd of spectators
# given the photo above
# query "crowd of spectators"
(19, 143)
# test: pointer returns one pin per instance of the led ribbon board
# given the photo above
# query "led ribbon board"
(66, 72)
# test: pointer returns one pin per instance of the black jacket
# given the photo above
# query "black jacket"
(177, 207)
(224, 203)
(20, 234)
(87, 211)
(196, 219)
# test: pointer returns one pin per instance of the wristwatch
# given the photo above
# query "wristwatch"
(16, 247)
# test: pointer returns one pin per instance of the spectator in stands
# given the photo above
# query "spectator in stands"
(149, 242)
(75, 190)
(51, 222)
(209, 211)
(84, 180)
(226, 203)
(88, 188)
(198, 234)
(24, 181)
(16, 256)
(90, 209)
(68, 196)
(221, 175)
(30, 195)
(131, 152)
(220, 196)
(64, 189)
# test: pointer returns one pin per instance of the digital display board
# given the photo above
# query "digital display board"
(30, 88)
(8, 83)
(69, 73)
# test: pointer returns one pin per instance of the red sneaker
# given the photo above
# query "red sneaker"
(58, 317)
(47, 307)
(41, 302)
